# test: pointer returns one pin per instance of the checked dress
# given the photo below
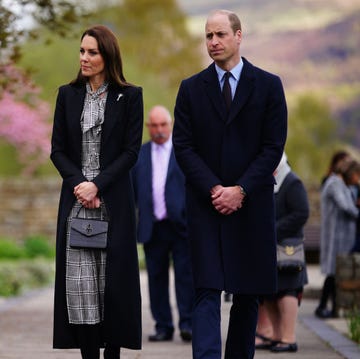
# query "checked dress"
(85, 268)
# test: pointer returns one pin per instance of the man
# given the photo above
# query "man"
(160, 195)
(228, 156)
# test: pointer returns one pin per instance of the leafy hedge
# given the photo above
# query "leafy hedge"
(31, 247)
(30, 264)
(18, 276)
(25, 265)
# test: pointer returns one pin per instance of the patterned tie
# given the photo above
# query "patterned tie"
(227, 90)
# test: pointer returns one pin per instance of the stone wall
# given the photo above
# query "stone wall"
(28, 207)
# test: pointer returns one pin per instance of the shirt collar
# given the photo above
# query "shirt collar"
(235, 71)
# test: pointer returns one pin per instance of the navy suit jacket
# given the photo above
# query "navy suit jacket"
(174, 194)
(236, 252)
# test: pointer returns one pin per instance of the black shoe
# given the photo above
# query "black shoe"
(186, 335)
(160, 337)
(323, 313)
(282, 347)
(266, 343)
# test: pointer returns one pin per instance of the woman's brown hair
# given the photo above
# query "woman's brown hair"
(110, 51)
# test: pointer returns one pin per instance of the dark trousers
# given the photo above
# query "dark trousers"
(240, 342)
(166, 244)
(89, 339)
(328, 292)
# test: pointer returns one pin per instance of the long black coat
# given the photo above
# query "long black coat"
(120, 144)
(235, 252)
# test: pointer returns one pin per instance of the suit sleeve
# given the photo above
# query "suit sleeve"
(194, 168)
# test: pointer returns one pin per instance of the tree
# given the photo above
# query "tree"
(56, 15)
(154, 33)
(23, 118)
(311, 137)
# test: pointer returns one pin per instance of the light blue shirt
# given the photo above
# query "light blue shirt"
(233, 79)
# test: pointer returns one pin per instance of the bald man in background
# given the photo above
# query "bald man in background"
(160, 196)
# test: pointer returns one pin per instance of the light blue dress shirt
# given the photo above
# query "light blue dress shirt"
(233, 79)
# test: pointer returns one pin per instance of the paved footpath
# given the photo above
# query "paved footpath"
(26, 333)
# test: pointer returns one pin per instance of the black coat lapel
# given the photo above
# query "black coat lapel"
(75, 111)
(243, 91)
(115, 103)
(213, 90)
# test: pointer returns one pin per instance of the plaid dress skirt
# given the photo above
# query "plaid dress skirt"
(85, 268)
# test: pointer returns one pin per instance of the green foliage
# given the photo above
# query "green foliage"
(311, 134)
(153, 33)
(353, 322)
(10, 249)
(17, 276)
(57, 16)
(8, 162)
(31, 247)
(38, 246)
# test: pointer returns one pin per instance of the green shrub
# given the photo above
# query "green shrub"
(10, 283)
(354, 326)
(20, 275)
(37, 246)
(10, 249)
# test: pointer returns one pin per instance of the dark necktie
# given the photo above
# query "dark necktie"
(227, 90)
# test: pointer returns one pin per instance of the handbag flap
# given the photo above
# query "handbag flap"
(89, 227)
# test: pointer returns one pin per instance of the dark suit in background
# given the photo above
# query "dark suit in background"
(228, 157)
(164, 239)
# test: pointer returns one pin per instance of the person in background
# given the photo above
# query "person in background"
(356, 248)
(229, 135)
(336, 158)
(160, 195)
(95, 142)
(338, 227)
(292, 212)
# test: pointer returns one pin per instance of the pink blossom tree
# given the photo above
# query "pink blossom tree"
(24, 118)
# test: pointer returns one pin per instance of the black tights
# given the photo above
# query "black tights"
(328, 292)
(89, 339)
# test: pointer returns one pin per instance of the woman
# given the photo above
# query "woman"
(96, 138)
(292, 212)
(338, 227)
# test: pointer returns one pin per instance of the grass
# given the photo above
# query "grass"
(353, 322)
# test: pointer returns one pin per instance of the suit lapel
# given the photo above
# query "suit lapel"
(115, 102)
(213, 90)
(243, 91)
(171, 164)
(148, 169)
